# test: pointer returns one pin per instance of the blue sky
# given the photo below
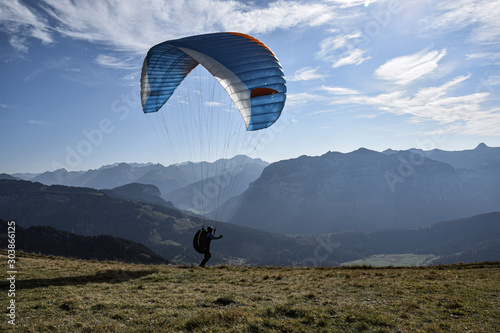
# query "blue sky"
(376, 74)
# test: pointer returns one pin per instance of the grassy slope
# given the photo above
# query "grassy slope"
(395, 260)
(63, 295)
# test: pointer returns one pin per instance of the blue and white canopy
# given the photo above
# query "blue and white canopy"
(247, 69)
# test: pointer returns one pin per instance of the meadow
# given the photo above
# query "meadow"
(63, 295)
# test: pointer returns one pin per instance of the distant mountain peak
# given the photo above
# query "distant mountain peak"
(389, 151)
(7, 176)
(364, 151)
(482, 145)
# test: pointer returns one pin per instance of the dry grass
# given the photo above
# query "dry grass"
(62, 295)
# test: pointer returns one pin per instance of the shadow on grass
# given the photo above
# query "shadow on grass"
(109, 276)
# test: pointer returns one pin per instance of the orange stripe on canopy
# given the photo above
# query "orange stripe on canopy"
(252, 39)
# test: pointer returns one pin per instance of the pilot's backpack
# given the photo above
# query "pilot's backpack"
(200, 241)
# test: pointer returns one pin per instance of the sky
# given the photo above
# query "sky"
(382, 74)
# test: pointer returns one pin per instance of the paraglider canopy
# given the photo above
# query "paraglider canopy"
(202, 109)
(246, 68)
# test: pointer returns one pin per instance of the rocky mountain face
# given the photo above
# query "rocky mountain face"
(475, 159)
(479, 166)
(367, 190)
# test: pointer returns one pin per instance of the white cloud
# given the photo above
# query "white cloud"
(405, 69)
(342, 50)
(37, 122)
(19, 43)
(126, 25)
(480, 16)
(301, 99)
(351, 3)
(351, 57)
(21, 22)
(366, 116)
(213, 104)
(306, 74)
(455, 114)
(484, 55)
(339, 90)
(278, 15)
(113, 62)
(432, 94)
(489, 82)
(335, 43)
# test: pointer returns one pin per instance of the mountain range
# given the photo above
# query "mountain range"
(198, 187)
(368, 190)
(360, 190)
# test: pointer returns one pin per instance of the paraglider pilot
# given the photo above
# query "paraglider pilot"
(207, 253)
